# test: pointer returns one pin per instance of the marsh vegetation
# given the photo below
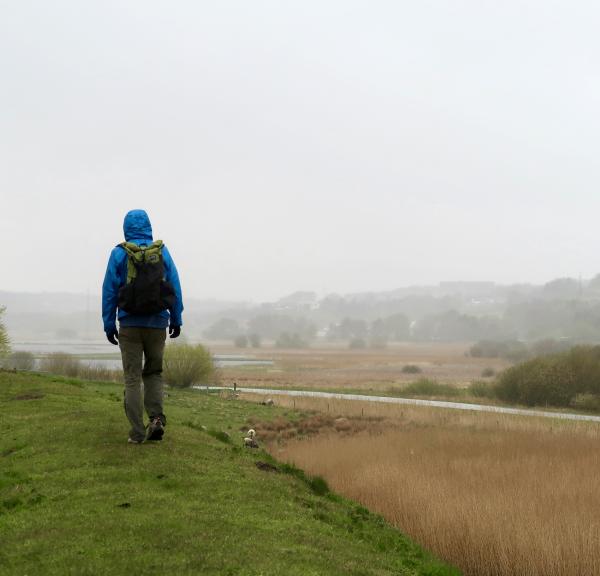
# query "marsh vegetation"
(494, 495)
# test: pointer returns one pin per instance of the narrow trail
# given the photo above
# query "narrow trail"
(416, 402)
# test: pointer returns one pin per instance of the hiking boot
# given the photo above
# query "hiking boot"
(132, 441)
(155, 429)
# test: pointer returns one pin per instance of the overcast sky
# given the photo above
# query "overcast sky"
(317, 145)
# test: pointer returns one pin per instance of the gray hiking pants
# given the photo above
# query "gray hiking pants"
(142, 353)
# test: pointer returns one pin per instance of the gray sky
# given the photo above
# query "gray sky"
(320, 145)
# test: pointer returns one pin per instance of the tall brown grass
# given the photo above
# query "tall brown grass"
(494, 495)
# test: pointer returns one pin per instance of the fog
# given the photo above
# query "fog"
(331, 146)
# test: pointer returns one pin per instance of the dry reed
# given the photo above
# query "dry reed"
(492, 494)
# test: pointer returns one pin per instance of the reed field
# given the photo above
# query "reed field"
(335, 367)
(492, 494)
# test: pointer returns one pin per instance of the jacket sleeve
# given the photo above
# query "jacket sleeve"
(172, 276)
(110, 292)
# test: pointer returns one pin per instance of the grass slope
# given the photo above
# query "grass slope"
(75, 498)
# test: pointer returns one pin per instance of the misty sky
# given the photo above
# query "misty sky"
(317, 145)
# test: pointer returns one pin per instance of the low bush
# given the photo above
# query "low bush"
(488, 373)
(480, 389)
(587, 402)
(411, 369)
(518, 351)
(185, 365)
(378, 342)
(61, 363)
(254, 340)
(287, 340)
(357, 344)
(241, 341)
(427, 387)
(21, 361)
(510, 349)
(553, 380)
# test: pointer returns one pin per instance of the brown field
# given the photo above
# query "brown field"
(492, 494)
(331, 367)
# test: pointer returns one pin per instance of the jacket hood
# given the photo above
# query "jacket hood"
(136, 226)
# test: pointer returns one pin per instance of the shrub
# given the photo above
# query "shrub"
(378, 342)
(427, 387)
(254, 340)
(185, 365)
(241, 341)
(287, 340)
(545, 380)
(481, 389)
(21, 361)
(411, 369)
(488, 373)
(555, 380)
(510, 349)
(588, 402)
(219, 435)
(357, 344)
(61, 363)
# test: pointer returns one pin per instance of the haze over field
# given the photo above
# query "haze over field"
(336, 146)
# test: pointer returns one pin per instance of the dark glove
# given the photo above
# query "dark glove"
(174, 331)
(113, 336)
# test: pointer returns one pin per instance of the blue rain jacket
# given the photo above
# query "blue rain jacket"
(137, 229)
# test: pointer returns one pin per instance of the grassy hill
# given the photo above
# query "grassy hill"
(75, 498)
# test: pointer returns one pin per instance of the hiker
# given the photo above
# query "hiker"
(141, 281)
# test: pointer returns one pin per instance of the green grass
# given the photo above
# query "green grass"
(75, 498)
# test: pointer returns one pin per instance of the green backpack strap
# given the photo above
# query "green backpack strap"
(139, 254)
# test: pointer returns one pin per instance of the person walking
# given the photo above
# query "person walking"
(142, 284)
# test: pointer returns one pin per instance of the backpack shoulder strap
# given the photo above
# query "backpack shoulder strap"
(135, 255)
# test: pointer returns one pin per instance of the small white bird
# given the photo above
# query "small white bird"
(250, 439)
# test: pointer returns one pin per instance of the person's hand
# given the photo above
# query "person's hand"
(174, 331)
(113, 336)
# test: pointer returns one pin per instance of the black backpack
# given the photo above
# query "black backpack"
(146, 290)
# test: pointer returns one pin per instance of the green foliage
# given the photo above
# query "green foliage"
(219, 435)
(318, 485)
(185, 365)
(427, 387)
(480, 389)
(554, 380)
(4, 339)
(411, 369)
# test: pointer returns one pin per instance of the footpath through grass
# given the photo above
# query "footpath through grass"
(75, 498)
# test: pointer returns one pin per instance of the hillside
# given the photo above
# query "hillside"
(75, 498)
